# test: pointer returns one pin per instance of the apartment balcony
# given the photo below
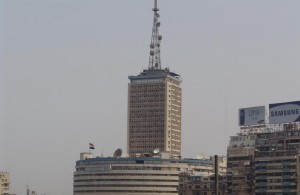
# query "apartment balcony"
(261, 176)
(261, 170)
(261, 183)
(289, 184)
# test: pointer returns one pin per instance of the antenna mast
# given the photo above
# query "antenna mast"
(154, 58)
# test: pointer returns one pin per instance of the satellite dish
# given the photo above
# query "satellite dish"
(156, 151)
(118, 153)
(137, 154)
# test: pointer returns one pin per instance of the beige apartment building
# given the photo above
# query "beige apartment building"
(277, 161)
(4, 183)
(240, 154)
(154, 112)
(199, 184)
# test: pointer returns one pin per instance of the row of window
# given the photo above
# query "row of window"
(127, 180)
(162, 85)
(148, 90)
(125, 191)
(135, 168)
(125, 185)
(277, 167)
(242, 138)
(145, 136)
(145, 111)
(147, 126)
(145, 98)
(275, 180)
(264, 143)
(272, 193)
(276, 174)
(272, 153)
(100, 161)
(147, 117)
(276, 161)
(277, 148)
(278, 134)
(138, 103)
(144, 122)
(144, 147)
(123, 174)
(197, 193)
(150, 134)
(276, 187)
(205, 187)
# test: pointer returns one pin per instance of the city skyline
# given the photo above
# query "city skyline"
(59, 58)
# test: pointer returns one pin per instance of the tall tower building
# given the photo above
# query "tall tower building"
(154, 104)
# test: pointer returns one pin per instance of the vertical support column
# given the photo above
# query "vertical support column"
(298, 170)
(216, 174)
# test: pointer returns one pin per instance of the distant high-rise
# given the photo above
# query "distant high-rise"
(154, 104)
(4, 183)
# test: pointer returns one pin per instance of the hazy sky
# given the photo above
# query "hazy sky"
(65, 65)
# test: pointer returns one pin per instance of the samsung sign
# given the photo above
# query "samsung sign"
(252, 116)
(288, 112)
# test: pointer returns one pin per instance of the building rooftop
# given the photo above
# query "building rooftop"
(154, 74)
(143, 160)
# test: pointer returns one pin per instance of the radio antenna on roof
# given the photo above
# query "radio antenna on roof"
(154, 57)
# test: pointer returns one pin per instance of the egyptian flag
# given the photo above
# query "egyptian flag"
(92, 146)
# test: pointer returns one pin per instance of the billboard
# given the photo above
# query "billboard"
(252, 116)
(287, 112)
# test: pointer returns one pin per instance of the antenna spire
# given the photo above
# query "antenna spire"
(155, 6)
(154, 57)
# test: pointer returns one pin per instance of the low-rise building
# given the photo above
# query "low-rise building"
(4, 183)
(199, 184)
(128, 176)
(222, 164)
(240, 159)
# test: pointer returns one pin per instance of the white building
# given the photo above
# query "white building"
(129, 176)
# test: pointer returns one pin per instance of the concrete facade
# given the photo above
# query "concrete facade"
(154, 113)
(265, 162)
(240, 158)
(127, 176)
(197, 184)
(277, 166)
